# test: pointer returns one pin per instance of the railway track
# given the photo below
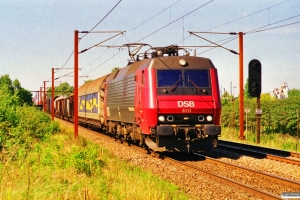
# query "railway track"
(254, 182)
(263, 185)
(262, 152)
(237, 183)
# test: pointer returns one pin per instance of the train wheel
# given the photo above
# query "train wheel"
(128, 139)
(121, 139)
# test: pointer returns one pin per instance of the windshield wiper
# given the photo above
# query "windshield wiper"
(197, 87)
(174, 86)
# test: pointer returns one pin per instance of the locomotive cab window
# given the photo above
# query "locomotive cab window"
(196, 78)
(168, 78)
(183, 82)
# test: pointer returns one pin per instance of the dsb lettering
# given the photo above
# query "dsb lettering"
(185, 104)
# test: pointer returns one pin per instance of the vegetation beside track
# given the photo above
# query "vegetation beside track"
(38, 160)
(280, 127)
(41, 160)
(62, 167)
(271, 140)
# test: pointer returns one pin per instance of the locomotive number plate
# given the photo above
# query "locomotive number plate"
(186, 110)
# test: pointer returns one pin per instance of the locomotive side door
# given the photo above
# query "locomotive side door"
(139, 97)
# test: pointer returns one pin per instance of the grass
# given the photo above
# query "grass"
(270, 140)
(66, 168)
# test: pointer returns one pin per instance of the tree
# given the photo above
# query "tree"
(246, 92)
(61, 89)
(14, 90)
(115, 69)
(6, 84)
(294, 93)
(226, 98)
(85, 82)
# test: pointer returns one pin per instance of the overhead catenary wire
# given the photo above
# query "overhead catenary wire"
(102, 19)
(248, 15)
(254, 30)
(230, 39)
(121, 32)
(63, 75)
(176, 20)
(90, 31)
(274, 27)
(154, 16)
(104, 62)
(238, 19)
(67, 60)
(232, 51)
(257, 30)
(260, 28)
(171, 23)
(157, 30)
(124, 35)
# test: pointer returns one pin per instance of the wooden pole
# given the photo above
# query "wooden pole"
(258, 121)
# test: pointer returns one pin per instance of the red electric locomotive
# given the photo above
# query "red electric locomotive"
(166, 102)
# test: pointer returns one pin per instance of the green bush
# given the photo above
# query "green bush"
(279, 115)
(84, 159)
(21, 125)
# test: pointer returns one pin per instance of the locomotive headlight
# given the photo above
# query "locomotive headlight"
(182, 62)
(201, 118)
(159, 53)
(170, 118)
(161, 118)
(209, 118)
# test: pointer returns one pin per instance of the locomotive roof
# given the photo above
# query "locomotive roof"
(172, 62)
(167, 63)
(157, 62)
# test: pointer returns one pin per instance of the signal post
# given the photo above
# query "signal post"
(254, 89)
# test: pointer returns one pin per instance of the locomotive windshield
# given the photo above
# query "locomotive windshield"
(167, 78)
(183, 78)
(183, 81)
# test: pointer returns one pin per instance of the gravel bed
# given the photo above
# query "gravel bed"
(245, 177)
(277, 168)
(194, 184)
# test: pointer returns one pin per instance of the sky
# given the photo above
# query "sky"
(38, 35)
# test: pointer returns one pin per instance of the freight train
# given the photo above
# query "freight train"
(161, 100)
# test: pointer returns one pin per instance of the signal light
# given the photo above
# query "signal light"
(254, 86)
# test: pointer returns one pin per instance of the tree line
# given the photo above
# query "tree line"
(278, 115)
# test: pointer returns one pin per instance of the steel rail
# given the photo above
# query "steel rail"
(261, 154)
(260, 148)
(281, 180)
(226, 181)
